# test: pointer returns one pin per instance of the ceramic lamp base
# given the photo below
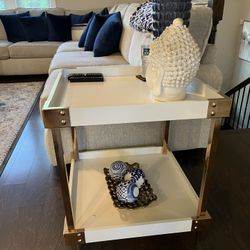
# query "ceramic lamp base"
(171, 94)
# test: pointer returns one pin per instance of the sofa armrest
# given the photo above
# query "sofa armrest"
(47, 88)
(211, 75)
(209, 55)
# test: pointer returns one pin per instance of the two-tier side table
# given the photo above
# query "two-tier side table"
(120, 99)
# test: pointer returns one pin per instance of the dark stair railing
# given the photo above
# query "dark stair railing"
(240, 112)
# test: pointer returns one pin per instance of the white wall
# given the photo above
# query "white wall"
(90, 4)
(242, 68)
(228, 34)
(234, 69)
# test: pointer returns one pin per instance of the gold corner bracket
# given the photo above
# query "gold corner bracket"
(56, 118)
(218, 108)
(202, 222)
(74, 237)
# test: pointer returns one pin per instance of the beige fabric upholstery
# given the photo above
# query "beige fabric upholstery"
(211, 75)
(27, 66)
(69, 46)
(127, 31)
(108, 136)
(82, 12)
(37, 12)
(119, 7)
(4, 50)
(188, 134)
(201, 25)
(3, 35)
(83, 58)
(42, 49)
(209, 55)
(76, 32)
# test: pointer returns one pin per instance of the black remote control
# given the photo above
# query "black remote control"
(86, 77)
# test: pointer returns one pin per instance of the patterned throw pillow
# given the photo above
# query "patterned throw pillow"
(142, 18)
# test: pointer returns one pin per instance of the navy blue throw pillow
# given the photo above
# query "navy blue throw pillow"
(80, 19)
(35, 27)
(13, 27)
(108, 38)
(105, 11)
(85, 32)
(93, 30)
(59, 28)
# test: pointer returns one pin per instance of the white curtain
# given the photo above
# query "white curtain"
(10, 4)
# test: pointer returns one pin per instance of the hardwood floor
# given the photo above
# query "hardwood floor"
(32, 215)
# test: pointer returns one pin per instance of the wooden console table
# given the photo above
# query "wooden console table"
(120, 99)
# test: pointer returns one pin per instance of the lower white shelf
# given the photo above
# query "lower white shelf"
(93, 208)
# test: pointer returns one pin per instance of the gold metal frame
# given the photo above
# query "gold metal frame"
(58, 118)
(218, 108)
(57, 138)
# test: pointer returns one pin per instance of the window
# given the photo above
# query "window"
(33, 3)
(2, 5)
(11, 4)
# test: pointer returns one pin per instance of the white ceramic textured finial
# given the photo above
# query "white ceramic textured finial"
(178, 22)
(174, 61)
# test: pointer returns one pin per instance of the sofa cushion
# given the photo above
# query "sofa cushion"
(94, 27)
(138, 39)
(211, 75)
(119, 8)
(108, 37)
(32, 24)
(127, 32)
(33, 50)
(200, 28)
(104, 11)
(68, 47)
(201, 25)
(79, 19)
(82, 12)
(76, 59)
(84, 34)
(4, 50)
(142, 19)
(209, 56)
(3, 35)
(38, 12)
(13, 27)
(59, 28)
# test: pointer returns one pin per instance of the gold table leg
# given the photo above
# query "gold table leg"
(208, 166)
(57, 139)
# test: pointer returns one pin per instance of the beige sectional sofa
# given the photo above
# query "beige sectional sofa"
(24, 58)
(29, 58)
(183, 134)
(43, 57)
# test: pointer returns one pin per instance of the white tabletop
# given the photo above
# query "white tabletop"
(126, 99)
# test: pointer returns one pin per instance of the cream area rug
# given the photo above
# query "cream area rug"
(16, 103)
